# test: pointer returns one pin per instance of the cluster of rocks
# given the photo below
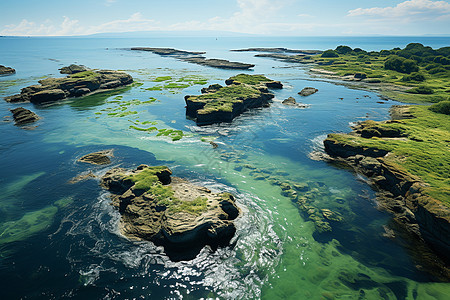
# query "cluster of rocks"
(75, 85)
(172, 212)
(6, 70)
(222, 104)
(196, 58)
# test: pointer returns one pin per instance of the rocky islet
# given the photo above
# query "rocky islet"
(171, 212)
(74, 85)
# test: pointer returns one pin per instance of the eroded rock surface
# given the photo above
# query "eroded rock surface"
(6, 70)
(222, 104)
(308, 91)
(97, 158)
(74, 85)
(24, 116)
(171, 212)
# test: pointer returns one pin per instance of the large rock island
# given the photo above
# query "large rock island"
(170, 212)
(74, 85)
(222, 104)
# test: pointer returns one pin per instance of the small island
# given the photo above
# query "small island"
(6, 70)
(222, 104)
(74, 85)
(171, 212)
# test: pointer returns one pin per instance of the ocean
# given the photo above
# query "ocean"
(61, 240)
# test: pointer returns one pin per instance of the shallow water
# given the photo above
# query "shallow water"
(60, 240)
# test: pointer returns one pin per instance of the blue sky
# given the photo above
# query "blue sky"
(267, 17)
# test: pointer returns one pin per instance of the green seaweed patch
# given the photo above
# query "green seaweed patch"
(162, 78)
(151, 129)
(123, 114)
(174, 134)
(155, 88)
(174, 85)
(30, 224)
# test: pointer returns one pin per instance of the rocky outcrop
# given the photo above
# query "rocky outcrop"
(218, 63)
(73, 69)
(222, 104)
(6, 70)
(171, 212)
(97, 158)
(196, 58)
(291, 102)
(74, 85)
(426, 219)
(24, 116)
(280, 50)
(308, 91)
(167, 51)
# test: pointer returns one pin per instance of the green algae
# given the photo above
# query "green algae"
(30, 224)
(162, 78)
(250, 79)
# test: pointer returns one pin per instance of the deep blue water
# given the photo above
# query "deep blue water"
(72, 249)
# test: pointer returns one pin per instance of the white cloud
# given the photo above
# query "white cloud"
(135, 22)
(418, 9)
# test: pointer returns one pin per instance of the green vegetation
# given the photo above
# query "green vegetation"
(225, 98)
(249, 79)
(417, 74)
(162, 78)
(423, 153)
(147, 180)
(85, 74)
(442, 107)
(329, 53)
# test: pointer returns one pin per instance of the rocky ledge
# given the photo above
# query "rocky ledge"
(222, 104)
(291, 102)
(307, 91)
(280, 50)
(170, 212)
(24, 116)
(74, 85)
(97, 158)
(196, 58)
(6, 70)
(404, 195)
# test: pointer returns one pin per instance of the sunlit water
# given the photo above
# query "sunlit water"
(60, 240)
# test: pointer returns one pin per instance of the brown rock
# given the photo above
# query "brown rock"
(308, 91)
(23, 116)
(97, 158)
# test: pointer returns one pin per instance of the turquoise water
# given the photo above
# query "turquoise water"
(60, 240)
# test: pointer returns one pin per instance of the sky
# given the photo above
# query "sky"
(261, 17)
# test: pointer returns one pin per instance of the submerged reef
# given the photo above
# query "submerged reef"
(171, 212)
(222, 104)
(74, 85)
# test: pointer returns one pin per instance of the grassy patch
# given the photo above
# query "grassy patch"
(425, 153)
(433, 86)
(250, 79)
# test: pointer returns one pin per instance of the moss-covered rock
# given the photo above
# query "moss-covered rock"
(169, 211)
(74, 85)
(222, 104)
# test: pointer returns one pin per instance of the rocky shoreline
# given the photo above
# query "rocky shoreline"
(222, 104)
(76, 84)
(170, 211)
(424, 218)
